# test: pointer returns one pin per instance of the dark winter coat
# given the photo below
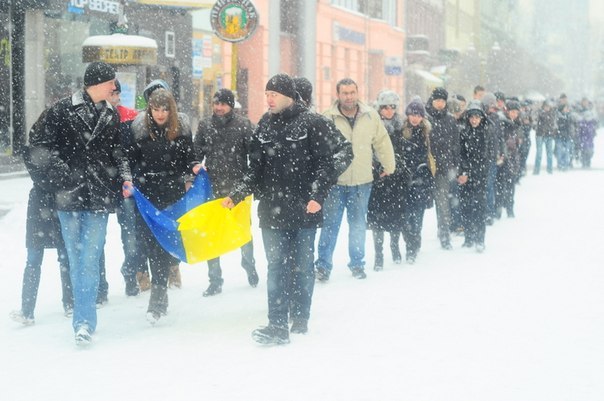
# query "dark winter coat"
(419, 189)
(512, 132)
(546, 123)
(81, 152)
(292, 161)
(162, 166)
(224, 144)
(477, 153)
(565, 124)
(385, 210)
(444, 140)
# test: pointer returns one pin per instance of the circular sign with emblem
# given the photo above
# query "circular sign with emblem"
(234, 20)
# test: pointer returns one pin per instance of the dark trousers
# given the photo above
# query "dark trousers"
(291, 275)
(473, 202)
(31, 280)
(247, 262)
(413, 220)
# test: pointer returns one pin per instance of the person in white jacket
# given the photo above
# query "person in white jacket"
(362, 126)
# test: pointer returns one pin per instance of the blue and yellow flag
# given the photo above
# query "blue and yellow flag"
(195, 229)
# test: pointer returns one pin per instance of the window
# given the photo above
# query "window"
(170, 44)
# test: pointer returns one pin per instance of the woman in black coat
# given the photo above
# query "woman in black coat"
(385, 210)
(42, 231)
(419, 189)
(163, 155)
(478, 150)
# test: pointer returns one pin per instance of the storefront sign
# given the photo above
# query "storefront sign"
(348, 35)
(120, 55)
(234, 20)
(103, 6)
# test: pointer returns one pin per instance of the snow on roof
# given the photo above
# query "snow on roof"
(119, 39)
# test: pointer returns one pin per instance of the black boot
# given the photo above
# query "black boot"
(213, 289)
(378, 243)
(158, 303)
(394, 247)
(131, 286)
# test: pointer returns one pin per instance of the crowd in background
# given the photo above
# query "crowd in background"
(382, 165)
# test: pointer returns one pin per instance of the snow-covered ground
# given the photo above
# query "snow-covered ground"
(523, 321)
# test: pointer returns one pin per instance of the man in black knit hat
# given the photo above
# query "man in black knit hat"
(292, 167)
(444, 145)
(222, 142)
(80, 151)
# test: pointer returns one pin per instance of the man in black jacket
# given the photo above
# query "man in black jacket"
(444, 143)
(292, 168)
(222, 142)
(80, 149)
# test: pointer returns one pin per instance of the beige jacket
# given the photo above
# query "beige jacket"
(368, 136)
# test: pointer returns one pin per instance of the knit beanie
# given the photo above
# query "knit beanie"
(416, 108)
(97, 73)
(225, 96)
(283, 84)
(304, 88)
(388, 97)
(513, 105)
(440, 93)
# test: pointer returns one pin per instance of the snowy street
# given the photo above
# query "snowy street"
(524, 321)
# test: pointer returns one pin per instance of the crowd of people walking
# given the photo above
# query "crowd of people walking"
(383, 164)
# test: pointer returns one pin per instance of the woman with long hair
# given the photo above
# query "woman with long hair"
(163, 157)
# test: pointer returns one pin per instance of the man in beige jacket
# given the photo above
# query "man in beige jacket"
(362, 126)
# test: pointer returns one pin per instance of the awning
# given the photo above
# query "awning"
(428, 77)
(120, 49)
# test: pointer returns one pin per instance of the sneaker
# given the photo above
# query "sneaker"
(144, 282)
(410, 259)
(252, 278)
(446, 245)
(480, 248)
(271, 335)
(19, 317)
(131, 286)
(468, 244)
(213, 289)
(359, 273)
(299, 326)
(153, 317)
(322, 274)
(83, 336)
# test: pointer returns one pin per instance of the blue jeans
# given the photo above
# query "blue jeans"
(291, 276)
(355, 199)
(247, 262)
(84, 236)
(133, 259)
(491, 178)
(563, 146)
(31, 280)
(549, 152)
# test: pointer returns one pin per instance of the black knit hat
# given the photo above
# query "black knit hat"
(440, 93)
(304, 88)
(97, 73)
(283, 84)
(417, 108)
(513, 105)
(225, 96)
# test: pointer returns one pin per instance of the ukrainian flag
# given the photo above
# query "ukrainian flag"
(195, 229)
